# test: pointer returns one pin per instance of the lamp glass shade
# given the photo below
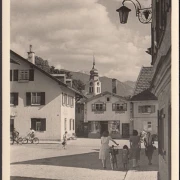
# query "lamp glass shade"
(123, 14)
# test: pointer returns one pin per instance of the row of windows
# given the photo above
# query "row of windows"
(22, 75)
(32, 98)
(71, 124)
(67, 100)
(115, 107)
(91, 89)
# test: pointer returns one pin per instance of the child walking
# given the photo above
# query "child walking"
(125, 156)
(113, 159)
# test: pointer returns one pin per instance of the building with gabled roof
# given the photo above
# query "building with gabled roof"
(99, 112)
(39, 101)
(144, 104)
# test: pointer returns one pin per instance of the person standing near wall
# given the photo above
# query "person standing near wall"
(135, 147)
(149, 148)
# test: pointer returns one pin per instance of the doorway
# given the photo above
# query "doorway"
(125, 130)
(104, 126)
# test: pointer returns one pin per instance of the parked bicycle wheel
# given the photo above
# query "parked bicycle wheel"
(25, 141)
(20, 140)
(35, 140)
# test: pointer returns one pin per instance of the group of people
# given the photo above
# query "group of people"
(15, 134)
(133, 153)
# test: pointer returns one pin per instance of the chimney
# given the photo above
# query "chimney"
(69, 82)
(114, 86)
(31, 55)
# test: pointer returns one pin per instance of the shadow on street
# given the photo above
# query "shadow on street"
(91, 161)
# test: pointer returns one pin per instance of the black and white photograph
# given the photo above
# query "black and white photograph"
(90, 90)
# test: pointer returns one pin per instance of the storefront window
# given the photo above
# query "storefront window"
(94, 127)
(114, 127)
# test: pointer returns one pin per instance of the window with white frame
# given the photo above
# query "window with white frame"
(38, 124)
(36, 98)
(23, 74)
(90, 89)
(146, 109)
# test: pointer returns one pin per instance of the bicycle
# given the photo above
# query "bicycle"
(113, 159)
(17, 139)
(29, 138)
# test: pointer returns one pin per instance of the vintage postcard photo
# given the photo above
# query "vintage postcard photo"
(90, 90)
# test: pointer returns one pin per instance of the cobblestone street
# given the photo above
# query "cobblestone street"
(79, 161)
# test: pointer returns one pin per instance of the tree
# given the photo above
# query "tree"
(78, 85)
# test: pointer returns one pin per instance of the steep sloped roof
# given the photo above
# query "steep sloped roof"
(144, 96)
(103, 94)
(44, 72)
(144, 80)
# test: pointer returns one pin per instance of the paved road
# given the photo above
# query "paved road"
(79, 161)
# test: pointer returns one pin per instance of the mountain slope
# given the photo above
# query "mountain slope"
(123, 89)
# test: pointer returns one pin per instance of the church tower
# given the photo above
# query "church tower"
(94, 83)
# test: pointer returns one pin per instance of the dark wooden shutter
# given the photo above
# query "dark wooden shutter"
(28, 98)
(70, 124)
(42, 98)
(31, 75)
(93, 107)
(73, 124)
(113, 106)
(15, 75)
(43, 124)
(15, 99)
(33, 123)
(10, 75)
(104, 107)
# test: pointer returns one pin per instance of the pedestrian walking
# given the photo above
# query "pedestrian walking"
(125, 156)
(149, 148)
(104, 149)
(135, 147)
(64, 143)
(15, 135)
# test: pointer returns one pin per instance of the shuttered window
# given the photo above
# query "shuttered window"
(14, 99)
(38, 124)
(119, 107)
(70, 121)
(22, 75)
(35, 98)
(146, 109)
(98, 107)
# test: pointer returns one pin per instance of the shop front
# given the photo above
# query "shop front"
(96, 128)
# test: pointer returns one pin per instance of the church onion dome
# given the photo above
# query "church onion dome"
(94, 71)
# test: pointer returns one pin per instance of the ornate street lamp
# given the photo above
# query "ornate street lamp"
(144, 14)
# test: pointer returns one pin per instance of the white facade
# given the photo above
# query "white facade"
(105, 112)
(46, 116)
(145, 116)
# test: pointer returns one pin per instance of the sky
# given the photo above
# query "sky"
(68, 32)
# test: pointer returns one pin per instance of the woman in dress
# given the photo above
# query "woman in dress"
(104, 149)
(135, 146)
(149, 148)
